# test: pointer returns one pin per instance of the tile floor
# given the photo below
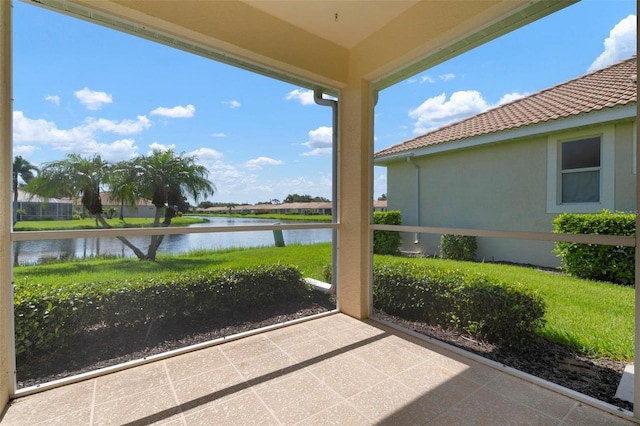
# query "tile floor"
(333, 370)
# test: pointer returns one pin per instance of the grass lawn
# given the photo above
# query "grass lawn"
(597, 318)
(130, 222)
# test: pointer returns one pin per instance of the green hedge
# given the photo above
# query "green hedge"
(614, 264)
(486, 308)
(47, 317)
(458, 247)
(387, 242)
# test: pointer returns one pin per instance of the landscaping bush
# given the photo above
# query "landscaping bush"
(458, 247)
(387, 242)
(598, 262)
(485, 308)
(46, 317)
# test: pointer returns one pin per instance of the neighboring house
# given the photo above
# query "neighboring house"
(569, 148)
(34, 207)
(142, 208)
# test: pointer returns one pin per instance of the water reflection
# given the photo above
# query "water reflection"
(29, 252)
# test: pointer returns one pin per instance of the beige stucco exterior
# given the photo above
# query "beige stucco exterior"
(498, 186)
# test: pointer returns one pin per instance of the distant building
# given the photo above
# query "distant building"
(34, 207)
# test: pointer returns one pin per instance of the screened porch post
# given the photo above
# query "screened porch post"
(355, 196)
(7, 361)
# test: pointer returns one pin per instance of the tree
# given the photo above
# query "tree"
(164, 178)
(24, 170)
(383, 197)
(295, 198)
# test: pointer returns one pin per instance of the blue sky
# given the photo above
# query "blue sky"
(82, 88)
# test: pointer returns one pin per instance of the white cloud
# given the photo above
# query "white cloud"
(92, 99)
(510, 97)
(119, 150)
(175, 112)
(620, 44)
(232, 104)
(54, 99)
(155, 146)
(438, 111)
(257, 163)
(24, 150)
(427, 79)
(446, 77)
(124, 127)
(320, 141)
(304, 96)
(219, 135)
(206, 156)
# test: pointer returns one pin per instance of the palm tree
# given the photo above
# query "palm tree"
(165, 178)
(24, 170)
(77, 177)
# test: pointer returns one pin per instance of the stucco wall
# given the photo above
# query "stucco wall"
(495, 187)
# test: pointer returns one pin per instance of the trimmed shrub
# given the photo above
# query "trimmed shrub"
(458, 247)
(47, 317)
(507, 314)
(387, 242)
(598, 262)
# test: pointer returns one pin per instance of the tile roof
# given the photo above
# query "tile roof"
(608, 87)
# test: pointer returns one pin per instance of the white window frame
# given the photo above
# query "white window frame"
(607, 171)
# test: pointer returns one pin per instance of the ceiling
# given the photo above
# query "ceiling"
(327, 44)
(345, 23)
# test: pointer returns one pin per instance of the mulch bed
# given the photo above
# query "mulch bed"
(96, 349)
(598, 378)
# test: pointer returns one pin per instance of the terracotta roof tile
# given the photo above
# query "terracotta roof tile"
(608, 87)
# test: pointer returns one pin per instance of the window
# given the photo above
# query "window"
(580, 171)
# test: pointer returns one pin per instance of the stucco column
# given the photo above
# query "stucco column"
(6, 292)
(355, 195)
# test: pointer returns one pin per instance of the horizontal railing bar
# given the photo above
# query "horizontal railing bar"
(610, 240)
(134, 232)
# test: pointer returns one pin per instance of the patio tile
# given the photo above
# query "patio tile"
(337, 415)
(348, 375)
(584, 415)
(247, 348)
(196, 362)
(75, 398)
(386, 397)
(130, 382)
(388, 358)
(468, 368)
(270, 367)
(297, 397)
(486, 407)
(156, 406)
(291, 335)
(531, 395)
(210, 386)
(438, 387)
(246, 409)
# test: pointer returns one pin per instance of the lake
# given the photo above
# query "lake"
(29, 252)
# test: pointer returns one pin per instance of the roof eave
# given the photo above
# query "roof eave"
(576, 121)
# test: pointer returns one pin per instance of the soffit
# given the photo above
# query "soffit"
(303, 41)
